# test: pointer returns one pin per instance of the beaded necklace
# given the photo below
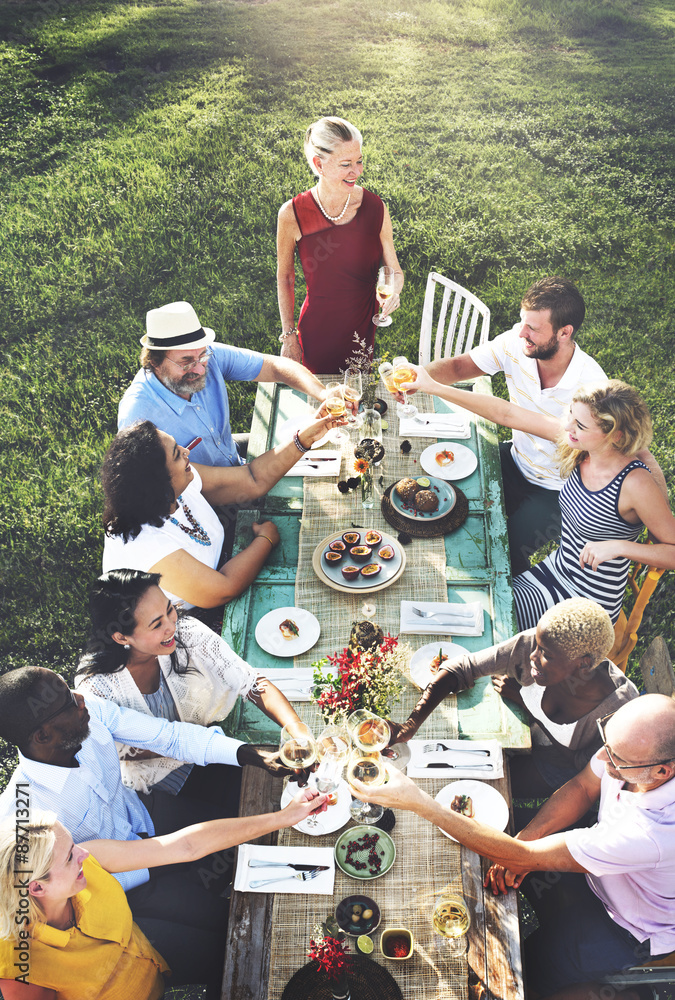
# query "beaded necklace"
(332, 218)
(195, 530)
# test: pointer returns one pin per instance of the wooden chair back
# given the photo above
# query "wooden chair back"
(450, 320)
(625, 629)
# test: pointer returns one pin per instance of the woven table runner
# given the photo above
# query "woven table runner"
(426, 863)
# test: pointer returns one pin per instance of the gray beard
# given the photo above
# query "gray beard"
(75, 741)
(184, 385)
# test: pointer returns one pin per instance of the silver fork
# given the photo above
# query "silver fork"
(302, 876)
(443, 614)
(436, 747)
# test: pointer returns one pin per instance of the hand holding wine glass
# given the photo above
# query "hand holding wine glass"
(335, 404)
(384, 290)
(297, 746)
(368, 767)
(403, 373)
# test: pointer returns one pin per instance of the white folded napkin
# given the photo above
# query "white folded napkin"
(309, 466)
(438, 425)
(449, 624)
(296, 683)
(455, 755)
(321, 885)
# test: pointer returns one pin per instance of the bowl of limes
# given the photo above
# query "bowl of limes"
(357, 915)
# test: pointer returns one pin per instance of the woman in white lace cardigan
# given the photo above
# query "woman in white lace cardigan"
(142, 655)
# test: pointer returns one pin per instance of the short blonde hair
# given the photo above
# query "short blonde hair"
(323, 137)
(25, 848)
(579, 627)
(615, 406)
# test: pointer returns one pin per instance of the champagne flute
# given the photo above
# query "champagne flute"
(335, 404)
(368, 731)
(403, 373)
(451, 919)
(353, 391)
(384, 289)
(297, 746)
(368, 767)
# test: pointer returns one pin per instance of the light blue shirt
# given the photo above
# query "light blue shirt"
(90, 800)
(205, 415)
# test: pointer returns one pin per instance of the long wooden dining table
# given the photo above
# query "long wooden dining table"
(476, 568)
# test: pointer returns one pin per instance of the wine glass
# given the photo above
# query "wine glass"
(334, 742)
(386, 373)
(327, 779)
(353, 390)
(335, 404)
(297, 746)
(368, 731)
(451, 919)
(367, 766)
(384, 289)
(403, 373)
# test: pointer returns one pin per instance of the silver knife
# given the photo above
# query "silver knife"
(461, 767)
(258, 863)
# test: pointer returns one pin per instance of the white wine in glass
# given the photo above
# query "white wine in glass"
(335, 404)
(368, 731)
(297, 747)
(384, 289)
(451, 920)
(353, 391)
(333, 742)
(386, 373)
(371, 770)
(403, 373)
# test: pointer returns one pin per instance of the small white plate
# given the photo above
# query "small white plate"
(269, 638)
(489, 805)
(419, 664)
(334, 818)
(465, 462)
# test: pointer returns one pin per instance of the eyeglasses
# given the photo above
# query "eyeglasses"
(622, 767)
(72, 701)
(201, 360)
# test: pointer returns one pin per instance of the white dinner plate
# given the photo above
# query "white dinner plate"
(419, 664)
(489, 805)
(334, 818)
(464, 464)
(447, 498)
(269, 638)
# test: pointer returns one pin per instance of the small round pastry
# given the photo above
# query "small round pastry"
(406, 489)
(426, 501)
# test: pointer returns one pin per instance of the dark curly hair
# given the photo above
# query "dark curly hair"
(136, 482)
(113, 600)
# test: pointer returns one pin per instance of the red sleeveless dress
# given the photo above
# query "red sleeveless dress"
(340, 264)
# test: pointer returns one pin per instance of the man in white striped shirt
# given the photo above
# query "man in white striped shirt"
(543, 366)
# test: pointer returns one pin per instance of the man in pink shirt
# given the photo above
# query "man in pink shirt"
(607, 899)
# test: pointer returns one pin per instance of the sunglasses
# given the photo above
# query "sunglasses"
(622, 767)
(72, 702)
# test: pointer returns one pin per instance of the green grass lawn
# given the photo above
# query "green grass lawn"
(148, 146)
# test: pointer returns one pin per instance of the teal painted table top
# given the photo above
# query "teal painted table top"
(477, 568)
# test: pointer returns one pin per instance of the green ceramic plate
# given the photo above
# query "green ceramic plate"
(359, 863)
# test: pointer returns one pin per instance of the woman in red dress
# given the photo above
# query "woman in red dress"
(343, 235)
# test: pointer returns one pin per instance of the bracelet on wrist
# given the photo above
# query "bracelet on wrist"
(261, 534)
(288, 333)
(298, 443)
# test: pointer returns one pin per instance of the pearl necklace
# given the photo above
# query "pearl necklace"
(332, 218)
(195, 530)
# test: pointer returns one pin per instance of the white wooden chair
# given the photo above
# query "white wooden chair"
(454, 330)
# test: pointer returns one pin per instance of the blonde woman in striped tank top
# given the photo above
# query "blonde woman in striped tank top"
(608, 496)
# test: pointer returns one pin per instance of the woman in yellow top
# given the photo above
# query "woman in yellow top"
(66, 930)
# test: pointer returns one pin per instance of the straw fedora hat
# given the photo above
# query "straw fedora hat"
(173, 326)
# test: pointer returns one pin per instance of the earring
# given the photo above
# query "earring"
(127, 646)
